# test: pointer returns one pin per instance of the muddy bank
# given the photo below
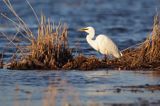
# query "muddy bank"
(89, 63)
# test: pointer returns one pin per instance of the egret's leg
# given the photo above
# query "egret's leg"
(105, 58)
(111, 57)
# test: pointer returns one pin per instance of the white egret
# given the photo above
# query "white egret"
(102, 43)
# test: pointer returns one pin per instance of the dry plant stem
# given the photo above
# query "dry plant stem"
(11, 41)
(33, 11)
(22, 24)
(18, 27)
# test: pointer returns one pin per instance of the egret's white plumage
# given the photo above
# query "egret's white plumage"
(102, 43)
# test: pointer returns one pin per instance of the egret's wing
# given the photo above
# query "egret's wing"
(106, 45)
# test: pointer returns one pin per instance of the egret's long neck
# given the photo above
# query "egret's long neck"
(91, 34)
(90, 40)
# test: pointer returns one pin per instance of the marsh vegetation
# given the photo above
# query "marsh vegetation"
(50, 50)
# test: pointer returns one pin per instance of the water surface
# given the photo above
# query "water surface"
(77, 88)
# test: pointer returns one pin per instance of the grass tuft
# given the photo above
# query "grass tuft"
(48, 50)
(149, 51)
(144, 56)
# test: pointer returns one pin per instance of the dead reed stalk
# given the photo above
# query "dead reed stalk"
(51, 46)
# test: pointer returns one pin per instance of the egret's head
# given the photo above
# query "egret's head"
(87, 29)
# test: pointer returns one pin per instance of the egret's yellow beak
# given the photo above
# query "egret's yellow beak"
(82, 29)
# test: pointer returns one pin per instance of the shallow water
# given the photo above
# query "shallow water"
(35, 88)
(127, 22)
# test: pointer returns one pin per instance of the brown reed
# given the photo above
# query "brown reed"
(149, 52)
(145, 56)
(48, 50)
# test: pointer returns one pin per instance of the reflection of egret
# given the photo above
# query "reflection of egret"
(102, 43)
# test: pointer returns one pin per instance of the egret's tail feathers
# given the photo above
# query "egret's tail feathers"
(120, 54)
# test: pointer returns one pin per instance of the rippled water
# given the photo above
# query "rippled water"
(127, 22)
(35, 88)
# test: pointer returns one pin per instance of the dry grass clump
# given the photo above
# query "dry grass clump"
(48, 50)
(145, 56)
(148, 55)
(125, 62)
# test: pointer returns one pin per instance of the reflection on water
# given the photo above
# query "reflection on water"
(75, 88)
